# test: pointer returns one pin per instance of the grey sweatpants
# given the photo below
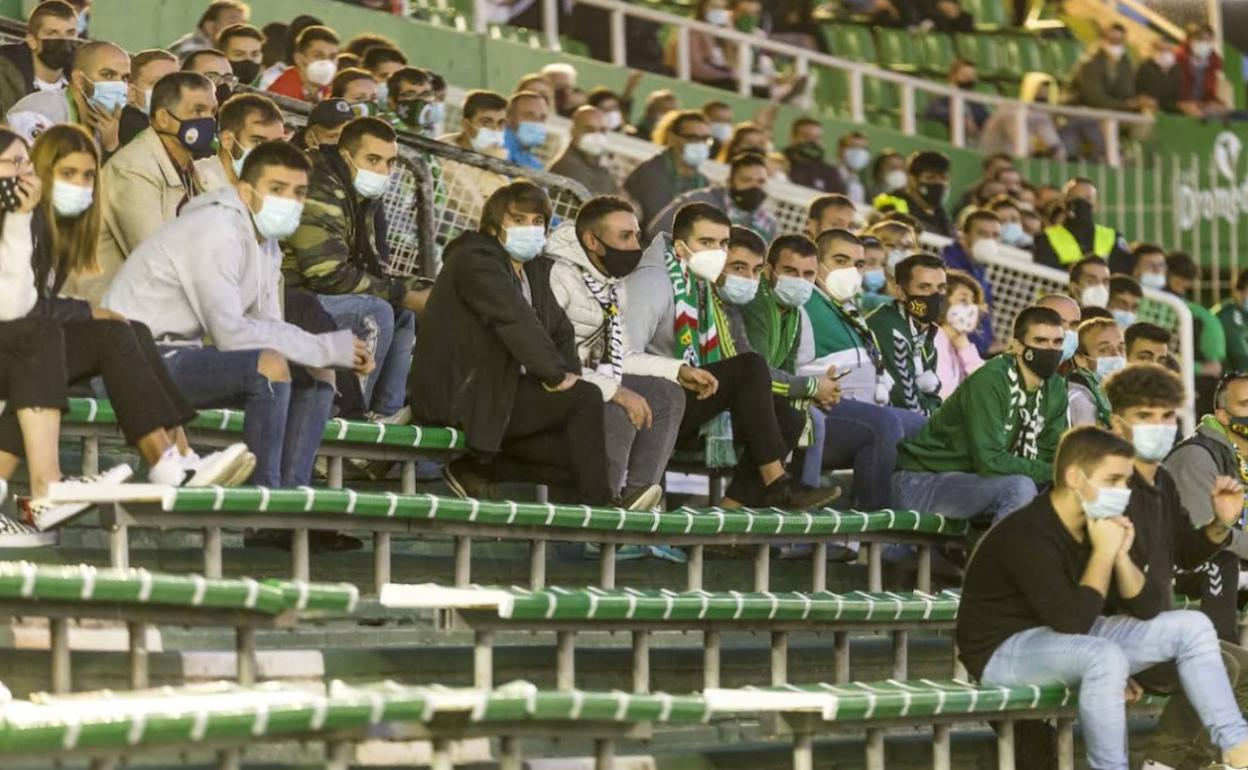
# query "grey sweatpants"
(638, 458)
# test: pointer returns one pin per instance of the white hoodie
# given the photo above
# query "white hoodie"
(17, 274)
(204, 275)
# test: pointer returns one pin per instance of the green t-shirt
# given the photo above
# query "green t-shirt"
(1235, 329)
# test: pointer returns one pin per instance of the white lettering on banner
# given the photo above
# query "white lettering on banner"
(1226, 201)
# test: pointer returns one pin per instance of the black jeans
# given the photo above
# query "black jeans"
(144, 396)
(302, 308)
(32, 365)
(556, 439)
(769, 434)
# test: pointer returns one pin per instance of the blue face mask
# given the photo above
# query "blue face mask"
(793, 292)
(108, 95)
(1124, 317)
(1109, 502)
(525, 243)
(1107, 365)
(1153, 442)
(738, 290)
(873, 280)
(1070, 345)
(695, 154)
(530, 134)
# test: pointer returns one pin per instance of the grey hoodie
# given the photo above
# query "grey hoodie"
(649, 311)
(204, 275)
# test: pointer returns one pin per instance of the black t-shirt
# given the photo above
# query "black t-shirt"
(935, 220)
(1025, 574)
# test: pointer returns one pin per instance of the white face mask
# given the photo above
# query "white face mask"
(1153, 281)
(985, 249)
(487, 139)
(70, 200)
(720, 17)
(721, 131)
(738, 290)
(895, 180)
(147, 101)
(1115, 51)
(708, 265)
(1094, 296)
(1153, 442)
(321, 72)
(1013, 234)
(963, 318)
(1108, 503)
(1201, 49)
(1164, 59)
(278, 218)
(614, 119)
(843, 284)
(592, 144)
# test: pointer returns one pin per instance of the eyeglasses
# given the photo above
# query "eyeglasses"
(17, 164)
(217, 79)
(701, 139)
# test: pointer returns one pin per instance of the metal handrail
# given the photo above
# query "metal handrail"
(803, 57)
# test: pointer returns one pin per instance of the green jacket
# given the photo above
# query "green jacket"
(978, 429)
(1210, 339)
(1235, 328)
(900, 346)
(335, 250)
(775, 333)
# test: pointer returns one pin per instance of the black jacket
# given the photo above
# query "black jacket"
(935, 220)
(133, 123)
(475, 335)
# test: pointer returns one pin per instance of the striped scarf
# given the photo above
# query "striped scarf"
(1026, 406)
(607, 295)
(697, 336)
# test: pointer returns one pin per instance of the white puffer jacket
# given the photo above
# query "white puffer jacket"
(587, 316)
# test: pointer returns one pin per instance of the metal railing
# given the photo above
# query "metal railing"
(748, 46)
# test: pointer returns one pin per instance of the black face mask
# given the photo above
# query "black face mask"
(1042, 362)
(245, 70)
(223, 92)
(1079, 210)
(933, 193)
(808, 150)
(8, 193)
(749, 199)
(967, 85)
(58, 53)
(617, 263)
(926, 309)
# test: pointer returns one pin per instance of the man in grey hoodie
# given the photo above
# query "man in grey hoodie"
(207, 283)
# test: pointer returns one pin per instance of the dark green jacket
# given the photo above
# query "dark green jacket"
(1235, 326)
(17, 74)
(977, 429)
(898, 344)
(776, 338)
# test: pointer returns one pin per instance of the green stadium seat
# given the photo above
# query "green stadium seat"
(937, 53)
(851, 41)
(1060, 56)
(897, 50)
(989, 14)
(987, 53)
(1024, 54)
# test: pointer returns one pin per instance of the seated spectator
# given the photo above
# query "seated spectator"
(1104, 79)
(658, 104)
(853, 150)
(1101, 352)
(719, 117)
(888, 179)
(244, 123)
(956, 355)
(208, 285)
(1147, 343)
(741, 199)
(213, 65)
(346, 61)
(708, 56)
(1009, 212)
(612, 107)
(148, 182)
(361, 44)
(314, 64)
(1072, 316)
(338, 253)
(562, 79)
(1182, 272)
(832, 211)
(874, 277)
(497, 359)
(1200, 68)
(96, 92)
(907, 330)
(242, 45)
(926, 192)
(988, 448)
(989, 166)
(1148, 266)
(582, 160)
(949, 17)
(1079, 235)
(1232, 313)
(357, 88)
(654, 183)
(1056, 592)
(382, 62)
(536, 82)
(1089, 282)
(219, 15)
(146, 67)
(325, 123)
(805, 155)
(1124, 299)
(745, 137)
(979, 241)
(593, 256)
(670, 331)
(525, 129)
(1159, 78)
(410, 103)
(964, 77)
(469, 187)
(899, 241)
(42, 60)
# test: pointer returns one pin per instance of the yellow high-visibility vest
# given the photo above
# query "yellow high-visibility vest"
(894, 202)
(1069, 251)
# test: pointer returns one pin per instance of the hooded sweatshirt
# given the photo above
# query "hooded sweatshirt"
(649, 312)
(204, 275)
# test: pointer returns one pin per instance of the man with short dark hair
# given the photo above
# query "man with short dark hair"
(1147, 343)
(213, 65)
(927, 192)
(93, 98)
(1182, 272)
(314, 64)
(383, 61)
(207, 284)
(357, 88)
(654, 183)
(146, 67)
(906, 329)
(526, 129)
(481, 130)
(1101, 352)
(324, 126)
(410, 102)
(1089, 282)
(830, 212)
(41, 61)
(216, 17)
(978, 242)
(243, 47)
(742, 198)
(1124, 299)
(1079, 236)
(1057, 593)
(992, 443)
(805, 155)
(671, 331)
(853, 150)
(338, 252)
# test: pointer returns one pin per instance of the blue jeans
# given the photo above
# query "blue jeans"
(961, 495)
(391, 334)
(282, 421)
(1100, 662)
(862, 436)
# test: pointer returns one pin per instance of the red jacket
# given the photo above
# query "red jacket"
(1205, 91)
(290, 84)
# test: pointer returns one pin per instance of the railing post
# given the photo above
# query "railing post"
(479, 14)
(682, 53)
(907, 109)
(619, 44)
(1022, 143)
(857, 111)
(1113, 156)
(550, 23)
(957, 120)
(745, 68)
(801, 69)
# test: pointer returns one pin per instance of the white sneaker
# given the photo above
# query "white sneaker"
(228, 468)
(46, 514)
(168, 471)
(1152, 764)
(19, 534)
(401, 417)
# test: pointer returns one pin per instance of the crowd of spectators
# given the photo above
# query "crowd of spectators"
(170, 242)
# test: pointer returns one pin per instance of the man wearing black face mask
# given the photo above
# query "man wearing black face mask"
(41, 62)
(242, 45)
(927, 190)
(991, 445)
(643, 414)
(1079, 235)
(805, 154)
(906, 332)
(742, 199)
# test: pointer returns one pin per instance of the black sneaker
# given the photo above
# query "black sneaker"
(466, 483)
(788, 494)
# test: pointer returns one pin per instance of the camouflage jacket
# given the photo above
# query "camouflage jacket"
(335, 250)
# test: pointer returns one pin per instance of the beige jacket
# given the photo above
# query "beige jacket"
(140, 191)
(467, 188)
